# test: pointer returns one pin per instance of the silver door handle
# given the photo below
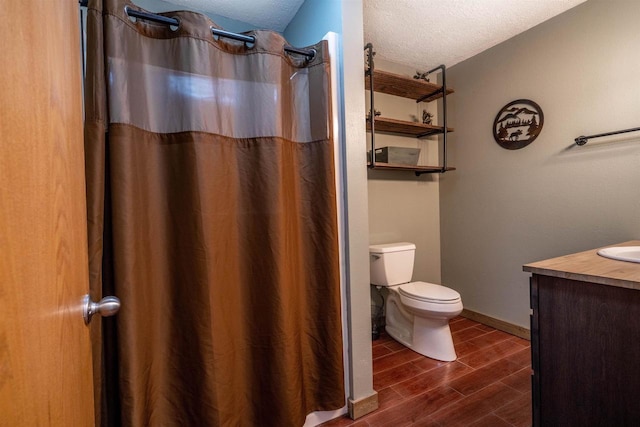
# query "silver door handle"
(107, 306)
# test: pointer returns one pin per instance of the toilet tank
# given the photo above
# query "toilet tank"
(391, 263)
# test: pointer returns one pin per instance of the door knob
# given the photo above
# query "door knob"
(107, 306)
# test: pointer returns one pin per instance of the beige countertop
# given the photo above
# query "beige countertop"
(588, 266)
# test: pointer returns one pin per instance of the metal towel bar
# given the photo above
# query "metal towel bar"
(581, 140)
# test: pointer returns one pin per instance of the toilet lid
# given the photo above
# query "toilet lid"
(429, 292)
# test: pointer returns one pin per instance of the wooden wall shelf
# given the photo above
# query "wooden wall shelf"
(405, 87)
(400, 127)
(417, 168)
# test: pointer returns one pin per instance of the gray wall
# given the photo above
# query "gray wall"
(355, 157)
(501, 208)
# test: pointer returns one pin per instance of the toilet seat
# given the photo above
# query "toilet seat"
(429, 292)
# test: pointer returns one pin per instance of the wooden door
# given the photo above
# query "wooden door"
(45, 354)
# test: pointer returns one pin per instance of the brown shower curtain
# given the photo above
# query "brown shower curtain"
(212, 216)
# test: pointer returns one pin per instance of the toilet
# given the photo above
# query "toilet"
(417, 313)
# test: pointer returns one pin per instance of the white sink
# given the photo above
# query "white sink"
(622, 253)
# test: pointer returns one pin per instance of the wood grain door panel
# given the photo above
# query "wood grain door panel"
(45, 355)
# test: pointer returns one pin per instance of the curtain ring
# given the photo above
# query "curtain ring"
(246, 40)
(133, 15)
(313, 55)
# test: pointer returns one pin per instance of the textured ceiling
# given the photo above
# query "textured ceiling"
(427, 33)
(420, 33)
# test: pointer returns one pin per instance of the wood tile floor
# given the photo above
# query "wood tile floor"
(489, 384)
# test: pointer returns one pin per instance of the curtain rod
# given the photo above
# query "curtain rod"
(581, 140)
(309, 53)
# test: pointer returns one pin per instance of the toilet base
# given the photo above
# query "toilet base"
(432, 338)
(427, 333)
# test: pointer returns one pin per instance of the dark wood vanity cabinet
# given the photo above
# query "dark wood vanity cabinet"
(585, 349)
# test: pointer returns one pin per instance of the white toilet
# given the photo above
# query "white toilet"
(417, 313)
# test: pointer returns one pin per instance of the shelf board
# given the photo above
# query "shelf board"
(400, 127)
(406, 87)
(418, 168)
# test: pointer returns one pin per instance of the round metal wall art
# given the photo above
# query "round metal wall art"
(518, 124)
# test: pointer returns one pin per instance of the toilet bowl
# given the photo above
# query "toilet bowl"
(417, 313)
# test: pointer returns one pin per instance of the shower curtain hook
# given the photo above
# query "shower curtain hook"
(312, 55)
(234, 36)
(309, 55)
